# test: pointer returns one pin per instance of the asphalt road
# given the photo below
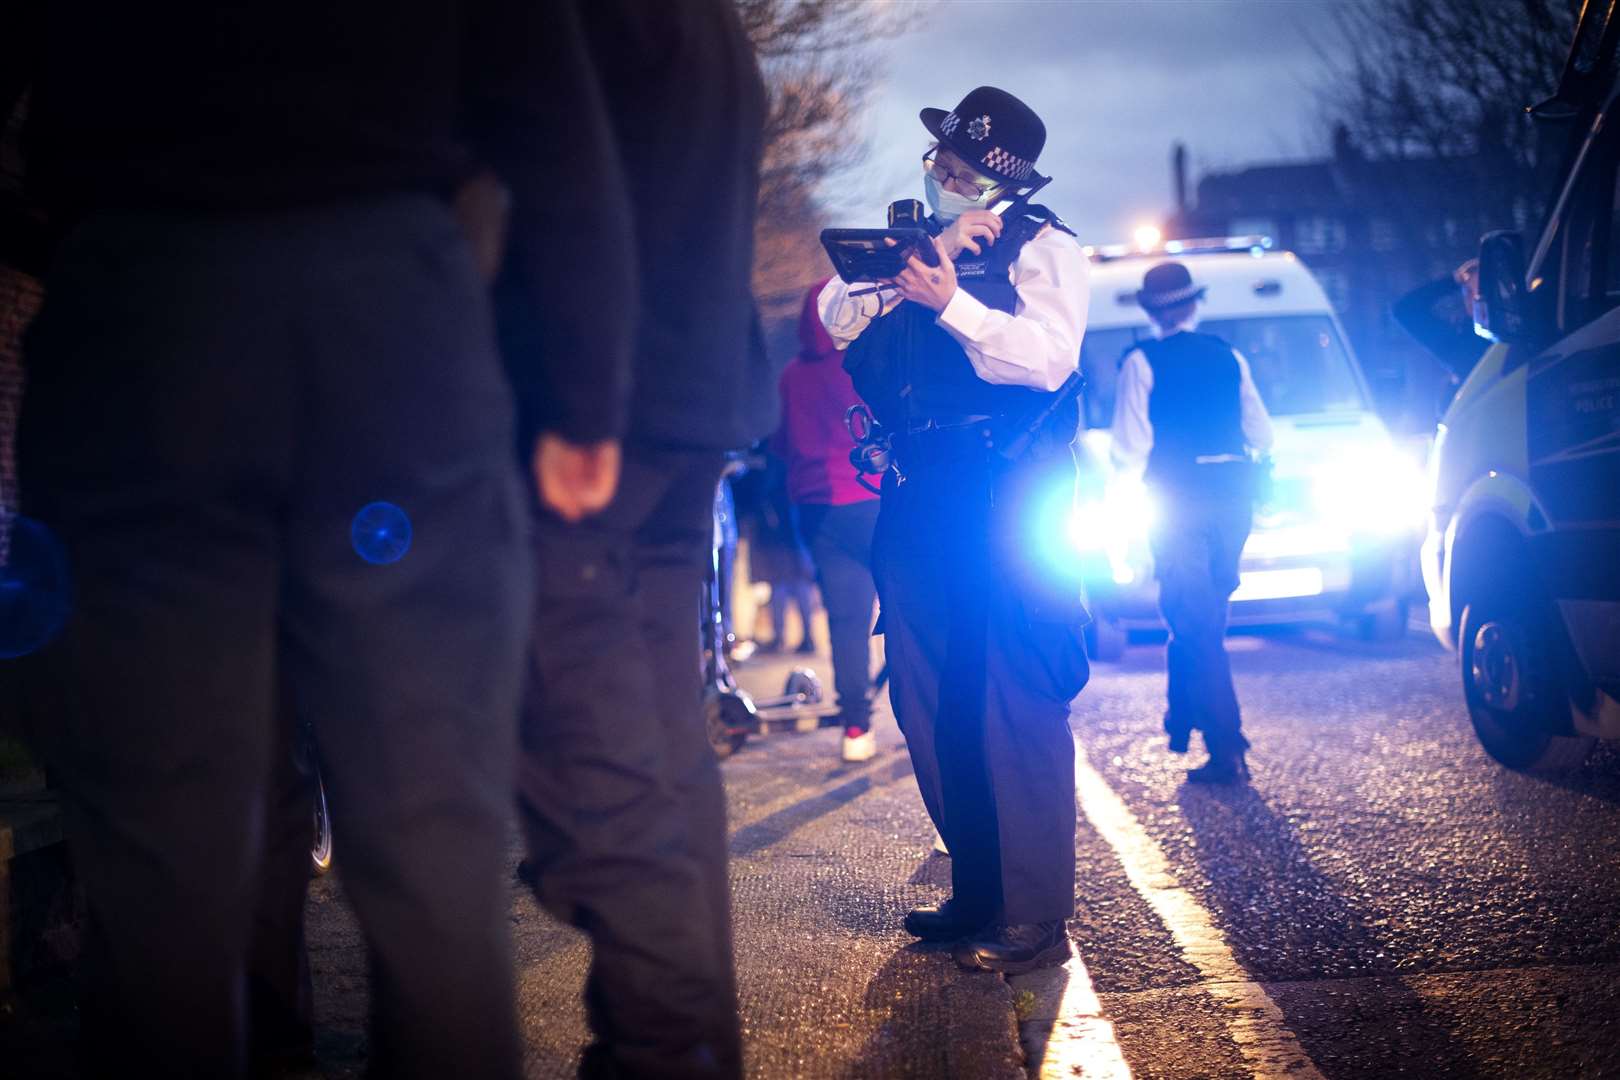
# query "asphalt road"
(1382, 901)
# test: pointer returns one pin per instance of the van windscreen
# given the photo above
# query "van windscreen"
(1300, 366)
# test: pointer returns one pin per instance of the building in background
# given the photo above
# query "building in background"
(1370, 230)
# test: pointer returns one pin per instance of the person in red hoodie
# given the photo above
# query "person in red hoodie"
(837, 515)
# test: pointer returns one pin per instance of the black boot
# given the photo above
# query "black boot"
(1016, 949)
(942, 922)
(1226, 767)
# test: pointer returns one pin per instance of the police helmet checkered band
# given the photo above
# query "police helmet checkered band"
(987, 111)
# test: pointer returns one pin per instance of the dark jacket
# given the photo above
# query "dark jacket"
(688, 103)
(197, 105)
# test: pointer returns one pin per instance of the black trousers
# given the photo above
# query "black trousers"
(981, 691)
(620, 792)
(840, 539)
(1196, 551)
(212, 399)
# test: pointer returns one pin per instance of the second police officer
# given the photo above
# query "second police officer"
(972, 367)
(1188, 414)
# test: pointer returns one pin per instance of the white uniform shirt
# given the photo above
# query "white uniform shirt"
(1133, 433)
(1037, 345)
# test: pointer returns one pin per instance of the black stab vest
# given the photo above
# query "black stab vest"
(911, 372)
(1196, 407)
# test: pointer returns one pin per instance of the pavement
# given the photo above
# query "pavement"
(1382, 901)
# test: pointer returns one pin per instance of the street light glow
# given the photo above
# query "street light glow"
(1148, 237)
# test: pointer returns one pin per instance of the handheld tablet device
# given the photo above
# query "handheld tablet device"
(863, 255)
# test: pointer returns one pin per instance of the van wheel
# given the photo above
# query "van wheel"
(1510, 680)
(1105, 641)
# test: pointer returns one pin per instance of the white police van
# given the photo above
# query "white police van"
(1522, 557)
(1336, 539)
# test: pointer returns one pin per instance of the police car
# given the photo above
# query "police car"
(1522, 557)
(1337, 535)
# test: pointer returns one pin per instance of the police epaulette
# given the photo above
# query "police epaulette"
(1045, 216)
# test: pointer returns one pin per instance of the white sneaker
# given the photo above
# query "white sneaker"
(939, 844)
(860, 746)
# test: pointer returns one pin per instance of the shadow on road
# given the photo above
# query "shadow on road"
(1598, 777)
(756, 837)
(1288, 925)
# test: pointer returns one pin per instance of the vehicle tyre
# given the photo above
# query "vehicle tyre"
(1386, 623)
(727, 719)
(1510, 679)
(320, 850)
(1105, 640)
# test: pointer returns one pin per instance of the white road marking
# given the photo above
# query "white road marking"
(1254, 1021)
(1074, 1040)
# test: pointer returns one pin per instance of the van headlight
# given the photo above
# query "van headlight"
(1381, 491)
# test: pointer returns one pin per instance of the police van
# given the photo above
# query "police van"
(1522, 556)
(1337, 534)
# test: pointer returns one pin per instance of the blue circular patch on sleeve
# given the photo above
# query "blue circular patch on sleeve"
(381, 533)
(36, 591)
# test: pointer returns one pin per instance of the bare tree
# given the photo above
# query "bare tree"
(1449, 80)
(817, 58)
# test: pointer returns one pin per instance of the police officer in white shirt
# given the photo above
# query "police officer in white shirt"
(972, 365)
(1187, 416)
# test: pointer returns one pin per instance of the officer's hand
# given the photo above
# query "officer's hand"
(930, 286)
(975, 230)
(575, 480)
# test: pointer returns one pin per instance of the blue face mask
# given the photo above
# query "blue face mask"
(948, 205)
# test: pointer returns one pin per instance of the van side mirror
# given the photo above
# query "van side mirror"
(1499, 304)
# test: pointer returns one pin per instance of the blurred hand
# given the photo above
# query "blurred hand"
(482, 206)
(1467, 278)
(974, 231)
(575, 480)
(930, 286)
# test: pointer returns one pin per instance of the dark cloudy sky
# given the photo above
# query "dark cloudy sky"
(1116, 81)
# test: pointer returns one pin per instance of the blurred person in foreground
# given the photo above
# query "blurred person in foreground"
(971, 364)
(268, 421)
(837, 514)
(1186, 418)
(620, 792)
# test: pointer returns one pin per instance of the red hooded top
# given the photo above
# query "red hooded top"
(816, 392)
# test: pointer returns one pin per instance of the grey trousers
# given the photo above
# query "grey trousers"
(213, 398)
(840, 539)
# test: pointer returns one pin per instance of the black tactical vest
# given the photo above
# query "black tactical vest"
(910, 371)
(1196, 409)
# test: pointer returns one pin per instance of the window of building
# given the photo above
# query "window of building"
(1384, 234)
(1337, 286)
(1317, 234)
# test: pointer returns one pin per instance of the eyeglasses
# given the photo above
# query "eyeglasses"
(969, 187)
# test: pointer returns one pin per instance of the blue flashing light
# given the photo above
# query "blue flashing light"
(381, 533)
(36, 589)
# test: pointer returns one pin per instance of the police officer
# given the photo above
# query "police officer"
(1187, 412)
(971, 365)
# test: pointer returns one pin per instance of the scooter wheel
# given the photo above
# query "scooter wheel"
(727, 719)
(805, 685)
(320, 851)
